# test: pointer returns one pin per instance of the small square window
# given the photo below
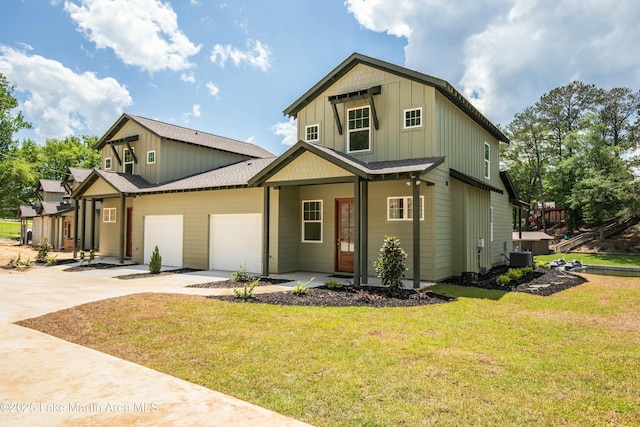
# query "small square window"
(312, 221)
(151, 157)
(109, 215)
(413, 118)
(107, 163)
(312, 133)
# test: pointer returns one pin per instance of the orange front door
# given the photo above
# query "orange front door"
(345, 235)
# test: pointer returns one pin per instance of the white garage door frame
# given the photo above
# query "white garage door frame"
(235, 240)
(167, 232)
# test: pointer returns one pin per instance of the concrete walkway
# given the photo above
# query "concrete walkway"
(46, 381)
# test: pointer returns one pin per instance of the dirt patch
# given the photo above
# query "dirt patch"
(10, 249)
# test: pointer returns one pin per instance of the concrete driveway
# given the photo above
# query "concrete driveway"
(45, 381)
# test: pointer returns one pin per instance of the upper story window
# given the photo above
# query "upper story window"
(312, 133)
(359, 130)
(151, 157)
(413, 118)
(401, 208)
(107, 163)
(312, 221)
(487, 160)
(128, 161)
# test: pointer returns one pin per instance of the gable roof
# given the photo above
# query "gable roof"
(53, 208)
(232, 176)
(51, 186)
(440, 85)
(78, 174)
(27, 212)
(368, 171)
(185, 135)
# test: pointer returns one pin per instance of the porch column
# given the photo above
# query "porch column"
(75, 227)
(356, 227)
(123, 218)
(364, 246)
(84, 224)
(415, 183)
(265, 232)
(93, 224)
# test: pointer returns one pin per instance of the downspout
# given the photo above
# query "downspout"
(75, 227)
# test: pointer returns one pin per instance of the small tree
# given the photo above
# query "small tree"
(155, 263)
(390, 264)
(43, 250)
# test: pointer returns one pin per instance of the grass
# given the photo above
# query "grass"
(490, 358)
(599, 259)
(9, 229)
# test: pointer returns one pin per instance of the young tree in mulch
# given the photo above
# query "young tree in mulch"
(155, 263)
(390, 265)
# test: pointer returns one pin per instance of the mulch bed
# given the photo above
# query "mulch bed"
(542, 281)
(93, 266)
(162, 273)
(264, 281)
(348, 296)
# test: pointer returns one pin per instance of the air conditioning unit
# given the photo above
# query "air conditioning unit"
(521, 259)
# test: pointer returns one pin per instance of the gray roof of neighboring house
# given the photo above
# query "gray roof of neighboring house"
(532, 236)
(27, 211)
(53, 208)
(79, 174)
(442, 86)
(51, 186)
(185, 135)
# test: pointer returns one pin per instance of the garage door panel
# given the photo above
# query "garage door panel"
(235, 240)
(165, 231)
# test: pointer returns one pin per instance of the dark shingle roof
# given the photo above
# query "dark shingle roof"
(188, 136)
(53, 208)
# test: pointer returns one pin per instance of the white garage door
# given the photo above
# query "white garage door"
(235, 240)
(166, 232)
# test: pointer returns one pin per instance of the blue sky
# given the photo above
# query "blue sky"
(231, 67)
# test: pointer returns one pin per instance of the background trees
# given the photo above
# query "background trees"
(577, 146)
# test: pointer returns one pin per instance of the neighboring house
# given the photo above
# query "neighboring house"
(536, 242)
(53, 218)
(383, 150)
(26, 213)
(87, 226)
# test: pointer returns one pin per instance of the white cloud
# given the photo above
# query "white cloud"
(287, 130)
(60, 102)
(257, 55)
(196, 110)
(504, 54)
(251, 139)
(213, 89)
(189, 78)
(143, 33)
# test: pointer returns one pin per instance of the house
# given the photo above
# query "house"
(26, 213)
(382, 150)
(536, 242)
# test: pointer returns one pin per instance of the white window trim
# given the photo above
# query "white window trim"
(109, 215)
(487, 162)
(321, 221)
(108, 159)
(154, 157)
(125, 163)
(406, 211)
(404, 118)
(311, 126)
(357, 130)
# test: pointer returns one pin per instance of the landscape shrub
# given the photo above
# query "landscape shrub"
(390, 265)
(503, 279)
(302, 288)
(246, 292)
(242, 275)
(333, 284)
(43, 250)
(515, 274)
(155, 263)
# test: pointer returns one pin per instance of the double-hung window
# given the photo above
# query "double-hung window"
(128, 161)
(312, 133)
(401, 208)
(151, 157)
(109, 215)
(359, 130)
(487, 160)
(312, 221)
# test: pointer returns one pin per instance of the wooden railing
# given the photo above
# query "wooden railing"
(602, 233)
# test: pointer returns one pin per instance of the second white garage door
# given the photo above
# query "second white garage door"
(235, 240)
(166, 232)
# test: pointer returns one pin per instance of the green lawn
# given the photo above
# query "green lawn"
(490, 358)
(9, 229)
(600, 259)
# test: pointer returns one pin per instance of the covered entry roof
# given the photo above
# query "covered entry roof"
(369, 171)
